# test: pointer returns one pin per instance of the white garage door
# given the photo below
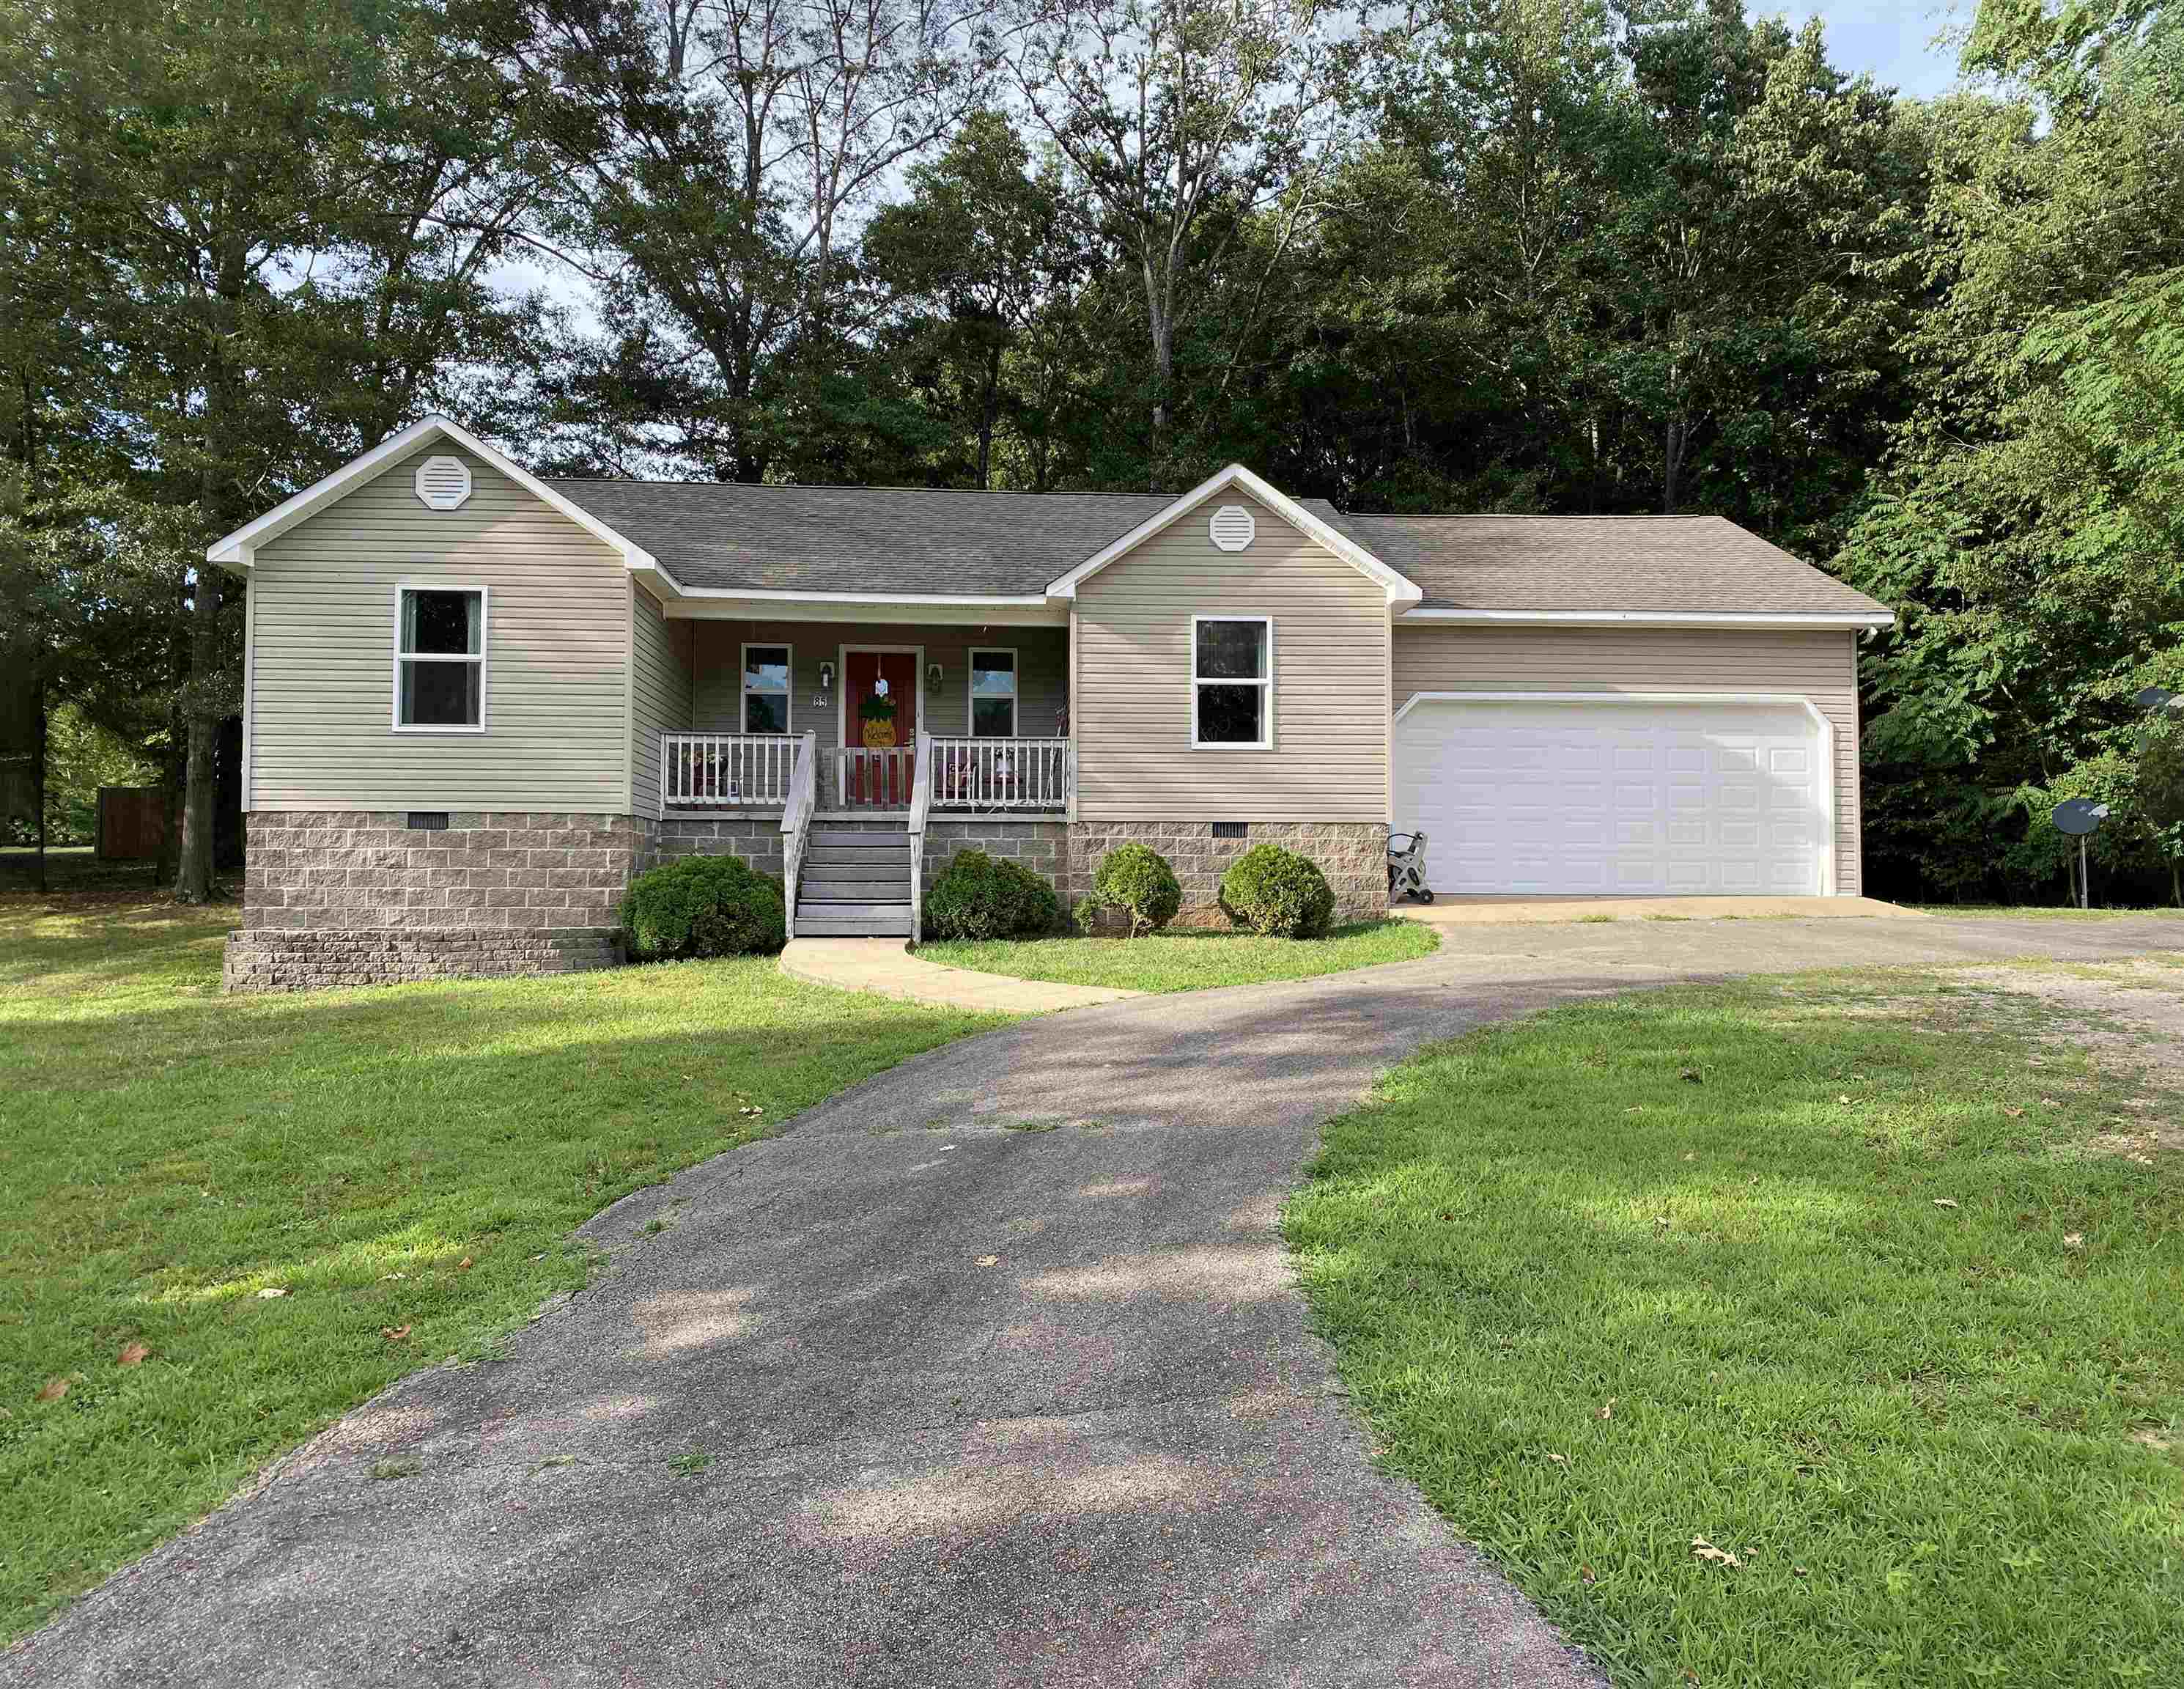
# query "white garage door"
(1614, 798)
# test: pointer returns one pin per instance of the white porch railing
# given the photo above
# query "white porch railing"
(796, 818)
(706, 771)
(868, 777)
(700, 769)
(1003, 773)
(921, 805)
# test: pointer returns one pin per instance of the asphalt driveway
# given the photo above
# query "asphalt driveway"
(988, 1371)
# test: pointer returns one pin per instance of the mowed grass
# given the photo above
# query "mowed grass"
(1830, 1276)
(1188, 961)
(410, 1157)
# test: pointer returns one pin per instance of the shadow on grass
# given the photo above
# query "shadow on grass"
(412, 1158)
(1795, 1272)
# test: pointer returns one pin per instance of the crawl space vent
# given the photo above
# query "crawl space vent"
(443, 483)
(1232, 528)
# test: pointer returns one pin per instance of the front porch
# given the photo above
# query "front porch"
(744, 698)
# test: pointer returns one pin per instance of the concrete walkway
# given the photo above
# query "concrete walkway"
(988, 1371)
(885, 966)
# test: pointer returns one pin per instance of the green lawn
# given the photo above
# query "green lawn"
(409, 1157)
(1824, 1274)
(1189, 961)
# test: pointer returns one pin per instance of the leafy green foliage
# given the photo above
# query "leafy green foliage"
(1278, 894)
(2030, 528)
(978, 896)
(704, 907)
(1134, 881)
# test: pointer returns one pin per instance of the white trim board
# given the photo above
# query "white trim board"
(1651, 618)
(234, 551)
(859, 609)
(1015, 656)
(1399, 588)
(1831, 878)
(1265, 683)
(483, 659)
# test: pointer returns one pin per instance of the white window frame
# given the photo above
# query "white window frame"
(483, 659)
(971, 694)
(744, 690)
(1265, 683)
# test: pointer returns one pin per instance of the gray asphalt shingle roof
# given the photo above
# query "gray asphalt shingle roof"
(920, 542)
(1700, 565)
(862, 539)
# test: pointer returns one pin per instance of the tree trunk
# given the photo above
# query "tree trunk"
(1159, 315)
(988, 404)
(170, 819)
(193, 868)
(38, 779)
(1672, 466)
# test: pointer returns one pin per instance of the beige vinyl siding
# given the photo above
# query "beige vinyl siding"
(1136, 761)
(1810, 665)
(716, 665)
(659, 692)
(557, 637)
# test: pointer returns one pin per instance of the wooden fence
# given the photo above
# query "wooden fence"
(133, 822)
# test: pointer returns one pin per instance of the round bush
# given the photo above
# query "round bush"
(1278, 893)
(978, 896)
(1136, 879)
(704, 906)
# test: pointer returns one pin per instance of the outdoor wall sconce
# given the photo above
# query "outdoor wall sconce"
(932, 676)
(826, 676)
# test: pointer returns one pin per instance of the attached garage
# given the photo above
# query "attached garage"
(1618, 795)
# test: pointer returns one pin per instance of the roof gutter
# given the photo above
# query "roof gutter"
(1656, 618)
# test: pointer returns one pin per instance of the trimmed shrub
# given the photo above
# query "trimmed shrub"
(978, 896)
(704, 906)
(1278, 893)
(1136, 880)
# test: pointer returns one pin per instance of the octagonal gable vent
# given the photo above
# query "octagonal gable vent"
(443, 483)
(1232, 527)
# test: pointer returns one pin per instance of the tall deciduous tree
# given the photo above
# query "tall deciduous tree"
(1183, 119)
(2029, 530)
(982, 254)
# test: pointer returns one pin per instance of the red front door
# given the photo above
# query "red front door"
(879, 727)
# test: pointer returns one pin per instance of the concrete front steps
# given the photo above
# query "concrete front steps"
(854, 885)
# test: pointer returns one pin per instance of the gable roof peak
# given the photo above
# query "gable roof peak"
(1399, 590)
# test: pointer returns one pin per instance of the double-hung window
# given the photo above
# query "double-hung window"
(766, 688)
(1232, 681)
(439, 659)
(993, 695)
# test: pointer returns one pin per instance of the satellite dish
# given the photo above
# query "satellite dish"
(2154, 697)
(2079, 816)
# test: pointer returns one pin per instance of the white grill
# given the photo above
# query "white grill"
(1232, 527)
(443, 483)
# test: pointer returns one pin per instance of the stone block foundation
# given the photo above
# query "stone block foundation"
(285, 959)
(361, 896)
(755, 839)
(1352, 855)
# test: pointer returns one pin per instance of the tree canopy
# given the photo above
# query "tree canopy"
(1584, 256)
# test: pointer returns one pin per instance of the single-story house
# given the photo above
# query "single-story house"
(477, 700)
